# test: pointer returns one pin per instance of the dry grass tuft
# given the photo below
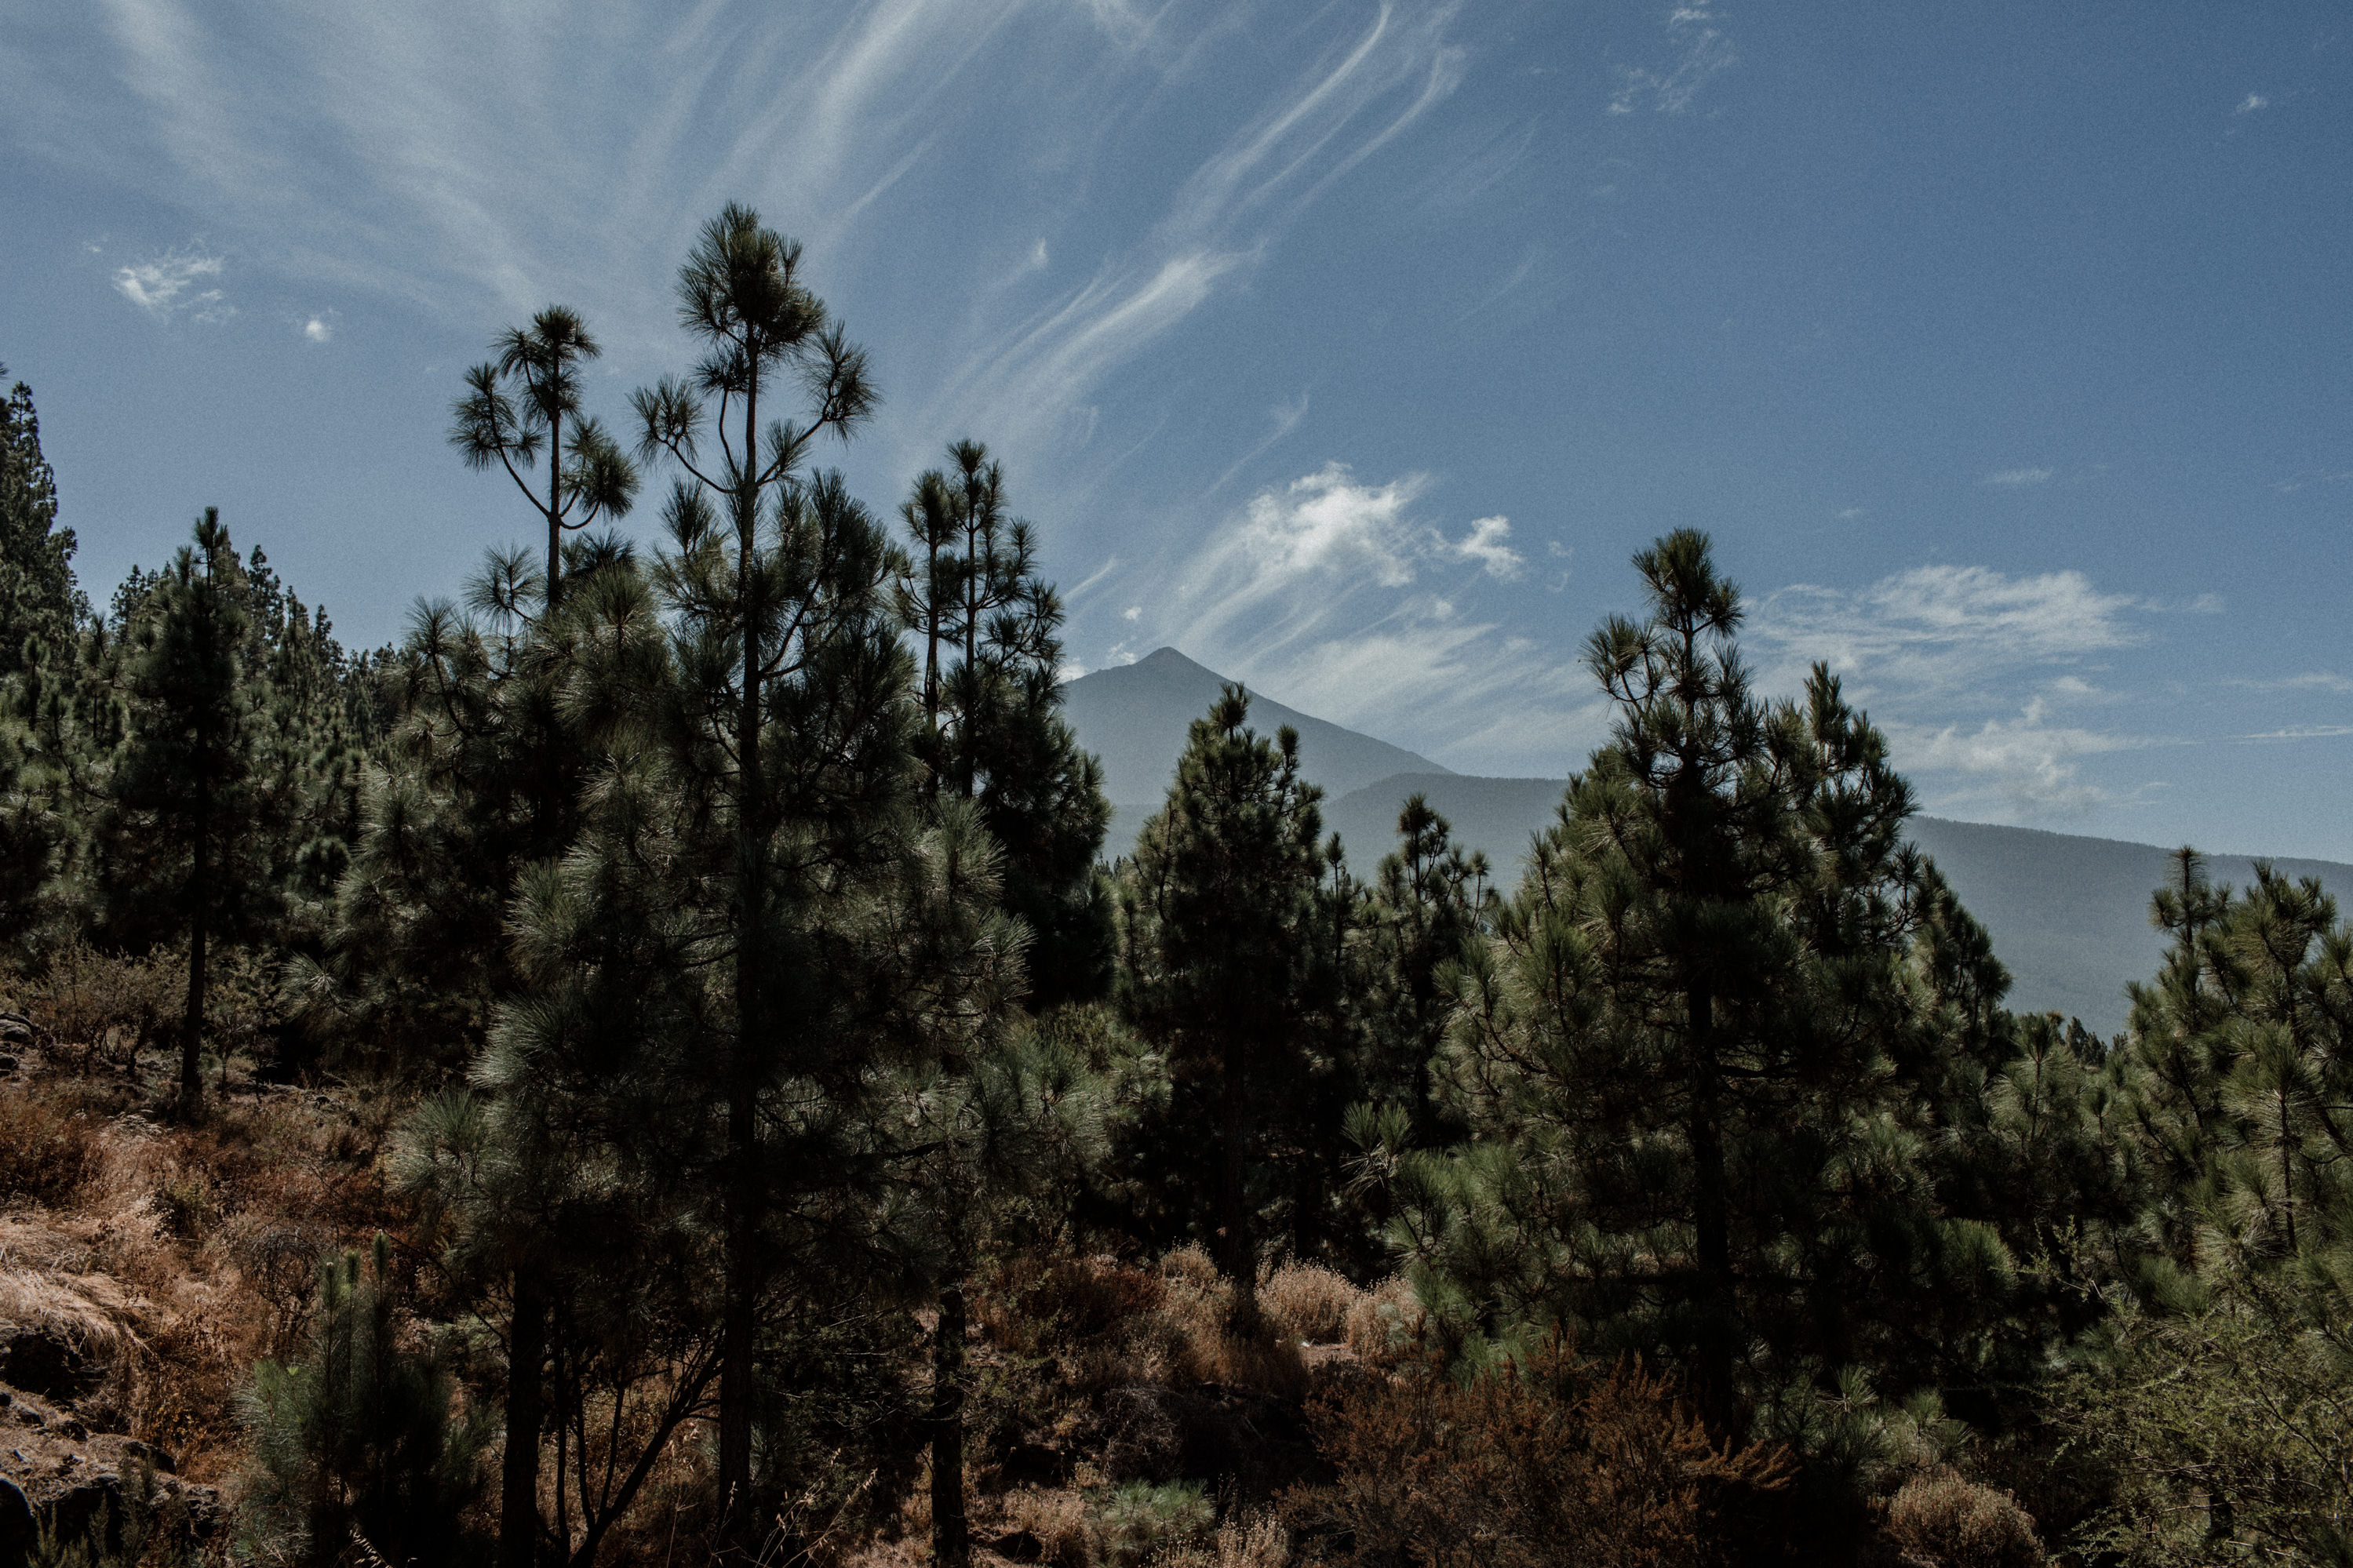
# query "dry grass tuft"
(1058, 1519)
(48, 1146)
(1306, 1302)
(1944, 1520)
(1256, 1540)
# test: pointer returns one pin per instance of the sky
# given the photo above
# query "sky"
(1352, 348)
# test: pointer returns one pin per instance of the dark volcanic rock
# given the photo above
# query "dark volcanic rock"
(47, 1363)
(70, 1479)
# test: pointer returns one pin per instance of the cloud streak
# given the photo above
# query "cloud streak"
(173, 284)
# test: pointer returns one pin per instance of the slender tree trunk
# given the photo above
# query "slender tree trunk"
(1710, 1218)
(192, 1024)
(519, 1470)
(951, 1543)
(1239, 1257)
(554, 511)
(742, 1287)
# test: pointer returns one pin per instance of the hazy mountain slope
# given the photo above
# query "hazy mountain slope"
(1492, 815)
(1135, 718)
(2069, 914)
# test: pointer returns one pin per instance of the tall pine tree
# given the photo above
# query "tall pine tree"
(187, 844)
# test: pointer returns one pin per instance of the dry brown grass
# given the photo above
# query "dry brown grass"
(1058, 1518)
(1306, 1302)
(175, 1256)
(1255, 1540)
(47, 1145)
(1945, 1521)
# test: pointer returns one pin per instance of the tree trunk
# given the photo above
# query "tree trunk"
(518, 1471)
(1237, 1256)
(742, 1287)
(555, 511)
(951, 1545)
(1711, 1221)
(192, 1025)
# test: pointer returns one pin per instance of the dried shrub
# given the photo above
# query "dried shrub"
(47, 1147)
(109, 1003)
(1944, 1520)
(1190, 1339)
(1539, 1463)
(1307, 1302)
(1383, 1321)
(1037, 1301)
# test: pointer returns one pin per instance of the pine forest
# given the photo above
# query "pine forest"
(660, 1066)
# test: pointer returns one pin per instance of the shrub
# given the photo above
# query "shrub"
(108, 1003)
(1942, 1520)
(1383, 1320)
(1307, 1302)
(1532, 1464)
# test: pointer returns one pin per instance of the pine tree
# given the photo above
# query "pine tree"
(358, 1443)
(187, 843)
(1428, 902)
(785, 743)
(1702, 1056)
(993, 729)
(1219, 928)
(482, 792)
(38, 597)
(518, 403)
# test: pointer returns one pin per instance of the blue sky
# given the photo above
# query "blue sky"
(1351, 348)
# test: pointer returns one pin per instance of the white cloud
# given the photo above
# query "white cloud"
(2309, 680)
(319, 329)
(170, 285)
(2251, 102)
(1219, 223)
(2303, 732)
(1486, 545)
(1702, 53)
(2014, 478)
(1944, 627)
(2026, 762)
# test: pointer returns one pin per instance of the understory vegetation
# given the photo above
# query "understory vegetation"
(657, 1068)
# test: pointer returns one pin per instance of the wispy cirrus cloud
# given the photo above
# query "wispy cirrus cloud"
(2017, 479)
(175, 284)
(1701, 52)
(1219, 223)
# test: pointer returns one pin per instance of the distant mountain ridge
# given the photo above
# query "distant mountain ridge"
(2069, 915)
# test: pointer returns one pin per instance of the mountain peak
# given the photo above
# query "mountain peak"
(1135, 718)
